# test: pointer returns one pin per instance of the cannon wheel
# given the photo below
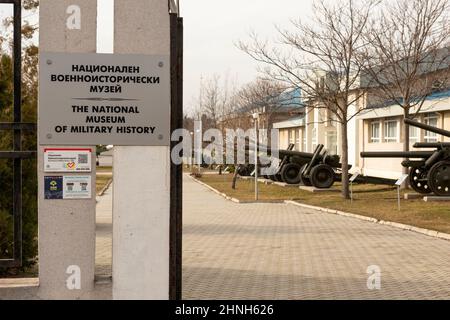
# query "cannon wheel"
(322, 176)
(278, 177)
(439, 178)
(290, 173)
(242, 171)
(418, 180)
(304, 180)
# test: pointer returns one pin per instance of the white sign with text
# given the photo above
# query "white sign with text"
(77, 187)
(67, 160)
(92, 99)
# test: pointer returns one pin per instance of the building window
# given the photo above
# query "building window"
(431, 119)
(331, 142)
(414, 133)
(332, 118)
(375, 132)
(294, 138)
(297, 140)
(291, 136)
(314, 138)
(391, 131)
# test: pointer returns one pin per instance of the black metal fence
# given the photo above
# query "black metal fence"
(17, 126)
(176, 174)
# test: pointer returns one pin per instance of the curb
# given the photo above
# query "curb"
(231, 198)
(102, 192)
(427, 232)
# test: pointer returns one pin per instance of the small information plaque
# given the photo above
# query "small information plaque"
(53, 188)
(401, 180)
(67, 160)
(77, 187)
(354, 177)
(67, 187)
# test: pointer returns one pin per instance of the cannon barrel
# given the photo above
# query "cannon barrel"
(261, 147)
(397, 154)
(427, 127)
(283, 153)
(436, 145)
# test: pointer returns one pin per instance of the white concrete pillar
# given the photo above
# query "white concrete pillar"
(66, 227)
(141, 204)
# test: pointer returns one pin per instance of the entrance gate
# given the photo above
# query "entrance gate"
(17, 154)
(50, 287)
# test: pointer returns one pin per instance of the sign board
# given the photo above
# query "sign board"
(354, 176)
(77, 187)
(92, 99)
(53, 187)
(67, 187)
(401, 180)
(67, 160)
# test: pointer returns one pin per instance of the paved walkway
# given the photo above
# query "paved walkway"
(279, 251)
(103, 233)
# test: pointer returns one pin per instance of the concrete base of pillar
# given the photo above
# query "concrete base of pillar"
(28, 289)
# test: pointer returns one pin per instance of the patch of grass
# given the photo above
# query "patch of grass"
(377, 201)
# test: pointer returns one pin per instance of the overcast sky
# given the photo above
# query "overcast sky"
(212, 27)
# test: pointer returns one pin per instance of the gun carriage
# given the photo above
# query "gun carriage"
(429, 170)
(318, 169)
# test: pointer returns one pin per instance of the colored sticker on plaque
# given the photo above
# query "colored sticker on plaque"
(53, 187)
(67, 187)
(67, 160)
(77, 187)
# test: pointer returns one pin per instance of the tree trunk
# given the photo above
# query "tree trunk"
(405, 144)
(344, 161)
(235, 176)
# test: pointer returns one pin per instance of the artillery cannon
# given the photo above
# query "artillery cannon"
(245, 170)
(430, 171)
(318, 169)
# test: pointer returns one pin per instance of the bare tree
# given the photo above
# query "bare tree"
(320, 58)
(407, 59)
(266, 97)
(214, 99)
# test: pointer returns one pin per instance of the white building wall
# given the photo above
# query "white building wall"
(391, 167)
(353, 134)
(359, 135)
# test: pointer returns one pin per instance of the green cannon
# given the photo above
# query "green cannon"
(429, 170)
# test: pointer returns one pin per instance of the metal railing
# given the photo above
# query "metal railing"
(17, 126)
